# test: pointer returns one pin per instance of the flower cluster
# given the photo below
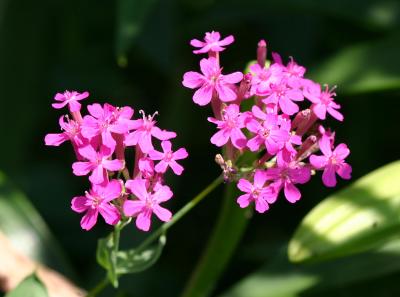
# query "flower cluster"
(272, 111)
(100, 140)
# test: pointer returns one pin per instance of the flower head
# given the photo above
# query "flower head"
(168, 158)
(70, 98)
(211, 42)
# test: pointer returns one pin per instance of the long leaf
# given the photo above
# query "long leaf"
(355, 219)
(31, 286)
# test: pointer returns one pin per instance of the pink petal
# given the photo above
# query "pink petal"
(166, 146)
(143, 220)
(341, 151)
(287, 106)
(176, 168)
(161, 167)
(96, 110)
(82, 168)
(203, 95)
(292, 193)
(112, 190)
(227, 40)
(318, 161)
(180, 154)
(333, 112)
(162, 213)
(110, 213)
(232, 78)
(320, 110)
(138, 188)
(238, 139)
(244, 200)
(192, 80)
(295, 95)
(197, 43)
(132, 207)
(113, 165)
(255, 143)
(55, 139)
(74, 106)
(98, 175)
(225, 92)
(162, 134)
(209, 67)
(59, 97)
(88, 152)
(220, 138)
(162, 194)
(300, 175)
(156, 155)
(344, 171)
(259, 178)
(78, 204)
(59, 105)
(328, 176)
(82, 96)
(108, 140)
(261, 205)
(89, 219)
(325, 146)
(244, 185)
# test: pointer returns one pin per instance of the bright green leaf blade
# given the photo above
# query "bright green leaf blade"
(360, 217)
(368, 67)
(26, 229)
(106, 257)
(283, 279)
(31, 286)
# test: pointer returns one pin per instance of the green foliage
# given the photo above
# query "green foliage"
(280, 278)
(120, 262)
(358, 218)
(31, 286)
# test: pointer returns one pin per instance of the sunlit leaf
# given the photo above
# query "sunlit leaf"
(283, 279)
(358, 218)
(31, 286)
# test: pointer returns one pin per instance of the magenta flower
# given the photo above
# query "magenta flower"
(294, 74)
(168, 158)
(284, 95)
(263, 77)
(286, 175)
(268, 132)
(211, 42)
(257, 192)
(232, 121)
(70, 98)
(147, 203)
(107, 120)
(322, 100)
(98, 200)
(332, 162)
(211, 81)
(98, 163)
(146, 129)
(72, 132)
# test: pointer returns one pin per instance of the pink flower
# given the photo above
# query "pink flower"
(211, 81)
(147, 203)
(284, 95)
(98, 164)
(145, 129)
(70, 98)
(294, 74)
(230, 125)
(263, 77)
(286, 175)
(211, 42)
(257, 192)
(268, 132)
(322, 100)
(107, 120)
(98, 200)
(72, 132)
(168, 158)
(332, 162)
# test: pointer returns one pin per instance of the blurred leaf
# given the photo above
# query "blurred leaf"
(283, 279)
(26, 229)
(31, 286)
(373, 66)
(358, 218)
(131, 14)
(126, 261)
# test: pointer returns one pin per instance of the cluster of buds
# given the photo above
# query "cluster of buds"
(100, 140)
(274, 112)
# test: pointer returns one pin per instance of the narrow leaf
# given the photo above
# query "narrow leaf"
(31, 286)
(358, 218)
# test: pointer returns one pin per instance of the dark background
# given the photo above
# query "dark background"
(135, 53)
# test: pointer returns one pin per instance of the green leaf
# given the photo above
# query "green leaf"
(367, 67)
(31, 286)
(27, 231)
(126, 261)
(280, 278)
(131, 14)
(358, 218)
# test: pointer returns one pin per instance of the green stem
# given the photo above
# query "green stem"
(98, 288)
(230, 227)
(183, 211)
